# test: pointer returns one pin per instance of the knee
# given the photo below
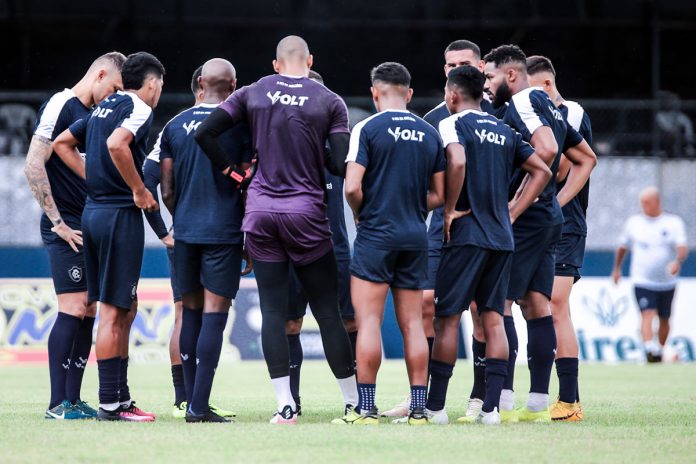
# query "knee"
(91, 309)
(293, 327)
(445, 326)
(350, 325)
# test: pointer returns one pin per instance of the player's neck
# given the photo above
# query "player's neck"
(214, 98)
(520, 84)
(83, 92)
(467, 106)
(392, 104)
(294, 71)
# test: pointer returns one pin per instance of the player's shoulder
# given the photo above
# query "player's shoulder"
(437, 114)
(370, 122)
(575, 113)
(52, 107)
(672, 219)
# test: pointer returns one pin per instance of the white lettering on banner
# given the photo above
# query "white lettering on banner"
(607, 321)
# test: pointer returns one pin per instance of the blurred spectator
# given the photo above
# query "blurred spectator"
(16, 127)
(675, 129)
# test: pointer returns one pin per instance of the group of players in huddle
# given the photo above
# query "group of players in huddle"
(256, 176)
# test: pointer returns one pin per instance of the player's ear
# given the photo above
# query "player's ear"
(511, 75)
(310, 61)
(481, 65)
(548, 84)
(276, 66)
(409, 95)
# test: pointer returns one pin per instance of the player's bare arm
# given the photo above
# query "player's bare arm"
(35, 169)
(544, 144)
(65, 146)
(618, 262)
(353, 186)
(583, 161)
(563, 169)
(538, 175)
(119, 149)
(167, 183)
(454, 181)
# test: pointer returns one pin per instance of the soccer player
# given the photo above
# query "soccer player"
(115, 135)
(207, 209)
(297, 303)
(458, 53)
(61, 195)
(482, 154)
(538, 230)
(570, 251)
(657, 241)
(290, 117)
(395, 175)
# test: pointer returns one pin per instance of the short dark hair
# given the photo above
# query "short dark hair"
(538, 63)
(195, 85)
(463, 45)
(391, 73)
(137, 67)
(468, 79)
(315, 76)
(506, 54)
(114, 58)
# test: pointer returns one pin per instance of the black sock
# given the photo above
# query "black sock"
(296, 356)
(78, 358)
(431, 341)
(567, 370)
(353, 337)
(320, 283)
(207, 356)
(273, 284)
(513, 344)
(60, 345)
(109, 373)
(541, 345)
(191, 320)
(496, 370)
(478, 349)
(178, 381)
(440, 373)
(577, 388)
(123, 390)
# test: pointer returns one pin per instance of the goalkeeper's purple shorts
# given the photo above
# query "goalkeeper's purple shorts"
(278, 237)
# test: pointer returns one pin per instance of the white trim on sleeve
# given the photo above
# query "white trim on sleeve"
(523, 104)
(575, 114)
(354, 145)
(49, 117)
(139, 116)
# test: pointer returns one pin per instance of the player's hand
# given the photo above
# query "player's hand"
(72, 236)
(168, 240)
(450, 217)
(674, 267)
(144, 200)
(616, 276)
(248, 265)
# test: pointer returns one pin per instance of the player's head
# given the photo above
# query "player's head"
(506, 73)
(218, 80)
(464, 87)
(542, 74)
(105, 75)
(650, 202)
(390, 82)
(144, 74)
(292, 56)
(195, 85)
(315, 76)
(461, 53)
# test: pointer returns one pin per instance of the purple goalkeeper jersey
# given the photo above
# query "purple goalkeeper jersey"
(290, 120)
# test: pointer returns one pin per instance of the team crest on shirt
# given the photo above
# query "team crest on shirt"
(75, 274)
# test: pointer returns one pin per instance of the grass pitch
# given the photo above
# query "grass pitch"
(633, 413)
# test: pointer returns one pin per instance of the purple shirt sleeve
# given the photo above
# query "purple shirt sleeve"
(339, 117)
(235, 105)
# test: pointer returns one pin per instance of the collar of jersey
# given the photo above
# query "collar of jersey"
(208, 105)
(395, 111)
(480, 113)
(131, 93)
(292, 77)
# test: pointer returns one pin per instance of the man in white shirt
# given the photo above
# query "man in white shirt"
(657, 241)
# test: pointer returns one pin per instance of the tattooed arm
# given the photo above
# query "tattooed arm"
(35, 170)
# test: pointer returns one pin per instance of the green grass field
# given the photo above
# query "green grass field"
(633, 414)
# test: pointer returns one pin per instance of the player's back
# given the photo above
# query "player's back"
(528, 110)
(575, 211)
(400, 152)
(209, 206)
(290, 119)
(56, 115)
(493, 151)
(105, 186)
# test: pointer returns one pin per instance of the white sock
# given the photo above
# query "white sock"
(281, 385)
(349, 388)
(507, 400)
(126, 404)
(110, 406)
(538, 402)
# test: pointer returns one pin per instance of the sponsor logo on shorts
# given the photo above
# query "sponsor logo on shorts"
(75, 274)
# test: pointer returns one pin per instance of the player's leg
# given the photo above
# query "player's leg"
(179, 411)
(496, 365)
(297, 306)
(319, 280)
(428, 317)
(478, 352)
(368, 300)
(345, 303)
(507, 396)
(647, 303)
(567, 352)
(664, 312)
(79, 357)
